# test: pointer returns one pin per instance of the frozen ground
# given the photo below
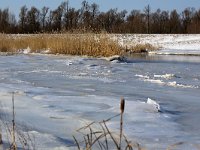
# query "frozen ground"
(168, 43)
(55, 95)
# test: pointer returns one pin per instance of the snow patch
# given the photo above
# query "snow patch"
(165, 76)
(168, 43)
(142, 76)
(155, 81)
(174, 84)
(161, 82)
(27, 51)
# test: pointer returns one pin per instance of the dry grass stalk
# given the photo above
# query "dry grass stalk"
(142, 48)
(173, 146)
(112, 137)
(15, 134)
(103, 137)
(1, 141)
(13, 145)
(78, 146)
(106, 139)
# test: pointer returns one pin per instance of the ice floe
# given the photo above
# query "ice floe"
(154, 104)
(157, 79)
(165, 76)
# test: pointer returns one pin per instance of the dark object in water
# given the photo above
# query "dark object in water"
(117, 58)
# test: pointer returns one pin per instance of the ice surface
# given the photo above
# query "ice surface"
(55, 95)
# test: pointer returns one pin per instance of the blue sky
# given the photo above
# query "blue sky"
(15, 5)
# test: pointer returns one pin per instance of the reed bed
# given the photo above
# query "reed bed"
(142, 48)
(70, 44)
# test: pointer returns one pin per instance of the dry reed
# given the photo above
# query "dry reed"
(142, 48)
(69, 44)
(99, 136)
(13, 145)
(16, 136)
(102, 138)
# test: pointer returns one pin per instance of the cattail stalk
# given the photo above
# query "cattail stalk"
(122, 106)
(1, 141)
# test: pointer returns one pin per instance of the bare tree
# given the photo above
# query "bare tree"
(147, 11)
(187, 18)
(66, 16)
(164, 19)
(195, 26)
(43, 17)
(85, 17)
(71, 19)
(156, 22)
(4, 20)
(95, 12)
(174, 22)
(22, 18)
(57, 17)
(33, 20)
(135, 22)
(90, 18)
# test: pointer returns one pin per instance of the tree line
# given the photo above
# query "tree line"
(89, 18)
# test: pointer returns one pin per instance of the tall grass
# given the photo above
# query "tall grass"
(142, 48)
(71, 44)
(17, 137)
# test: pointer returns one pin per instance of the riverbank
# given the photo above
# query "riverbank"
(100, 45)
(161, 41)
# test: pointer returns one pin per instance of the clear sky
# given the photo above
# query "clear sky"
(15, 5)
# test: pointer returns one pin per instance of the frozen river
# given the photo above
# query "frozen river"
(55, 95)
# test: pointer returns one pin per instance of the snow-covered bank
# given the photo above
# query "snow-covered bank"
(183, 44)
(170, 43)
